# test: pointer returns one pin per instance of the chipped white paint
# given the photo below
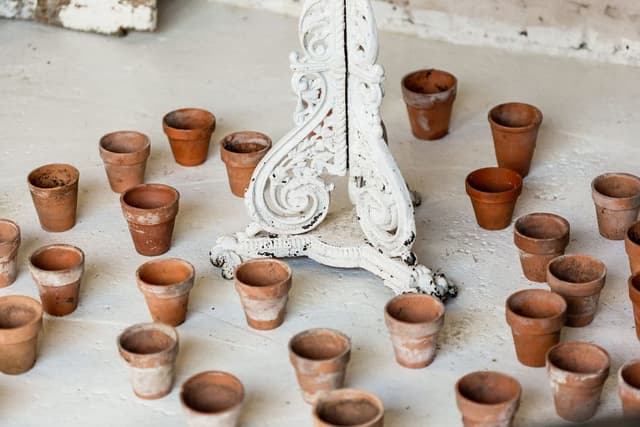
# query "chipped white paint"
(263, 310)
(414, 350)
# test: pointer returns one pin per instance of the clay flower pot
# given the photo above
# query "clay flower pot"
(634, 296)
(536, 318)
(487, 399)
(493, 192)
(189, 131)
(348, 407)
(429, 95)
(9, 244)
(241, 152)
(617, 200)
(166, 284)
(577, 372)
(57, 270)
(540, 237)
(150, 349)
(54, 190)
(414, 321)
(20, 323)
(125, 156)
(514, 127)
(319, 357)
(212, 399)
(632, 246)
(150, 211)
(263, 286)
(629, 388)
(579, 279)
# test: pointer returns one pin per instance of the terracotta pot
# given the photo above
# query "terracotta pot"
(514, 127)
(414, 321)
(241, 152)
(189, 131)
(540, 237)
(487, 399)
(629, 388)
(212, 399)
(634, 296)
(57, 270)
(263, 286)
(166, 284)
(125, 156)
(54, 190)
(348, 407)
(20, 323)
(319, 357)
(429, 95)
(617, 200)
(493, 192)
(150, 349)
(150, 211)
(536, 318)
(9, 244)
(632, 246)
(579, 279)
(577, 372)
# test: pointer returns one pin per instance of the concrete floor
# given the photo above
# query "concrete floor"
(61, 90)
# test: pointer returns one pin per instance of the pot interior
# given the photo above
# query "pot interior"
(9, 232)
(146, 341)
(631, 374)
(515, 115)
(429, 81)
(633, 233)
(576, 269)
(53, 176)
(536, 304)
(617, 186)
(541, 226)
(149, 197)
(577, 357)
(493, 180)
(246, 143)
(124, 142)
(56, 258)
(262, 272)
(415, 308)
(212, 392)
(165, 272)
(15, 315)
(488, 388)
(319, 344)
(347, 411)
(189, 119)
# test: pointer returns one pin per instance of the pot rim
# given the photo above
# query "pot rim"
(311, 331)
(621, 380)
(438, 303)
(74, 180)
(175, 193)
(128, 157)
(427, 100)
(244, 264)
(516, 129)
(587, 375)
(608, 199)
(244, 160)
(519, 318)
(179, 133)
(634, 293)
(168, 330)
(348, 394)
(17, 239)
(600, 280)
(477, 404)
(628, 239)
(520, 237)
(63, 246)
(162, 289)
(9, 334)
(494, 197)
(218, 374)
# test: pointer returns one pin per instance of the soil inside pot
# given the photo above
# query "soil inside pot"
(189, 119)
(146, 342)
(488, 389)
(576, 270)
(515, 115)
(350, 412)
(148, 197)
(415, 310)
(52, 177)
(262, 274)
(205, 396)
(165, 272)
(631, 375)
(56, 259)
(319, 345)
(13, 316)
(617, 186)
(578, 358)
(536, 305)
(124, 142)
(429, 81)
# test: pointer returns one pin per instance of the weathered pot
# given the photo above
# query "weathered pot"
(57, 270)
(514, 127)
(617, 200)
(493, 192)
(125, 155)
(540, 237)
(241, 152)
(348, 407)
(487, 399)
(212, 399)
(150, 349)
(319, 358)
(632, 246)
(9, 244)
(629, 388)
(634, 296)
(20, 323)
(429, 95)
(166, 284)
(54, 190)
(579, 279)
(577, 372)
(263, 286)
(536, 318)
(189, 131)
(414, 321)
(150, 211)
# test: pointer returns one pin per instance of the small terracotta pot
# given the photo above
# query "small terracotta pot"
(617, 200)
(241, 152)
(634, 296)
(212, 399)
(54, 190)
(348, 407)
(488, 399)
(57, 270)
(9, 244)
(150, 211)
(189, 131)
(536, 318)
(514, 127)
(540, 237)
(263, 286)
(166, 284)
(429, 95)
(414, 321)
(493, 192)
(319, 357)
(20, 323)
(125, 156)
(579, 279)
(150, 349)
(577, 372)
(629, 388)
(632, 246)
